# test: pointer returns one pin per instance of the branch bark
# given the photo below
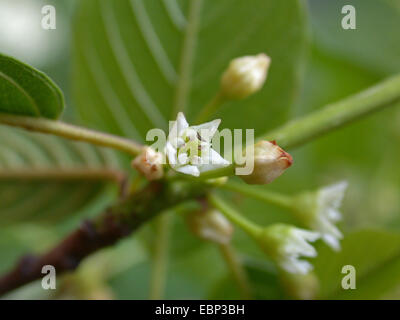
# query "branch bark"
(117, 222)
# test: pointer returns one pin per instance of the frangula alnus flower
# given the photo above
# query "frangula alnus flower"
(285, 244)
(189, 148)
(319, 210)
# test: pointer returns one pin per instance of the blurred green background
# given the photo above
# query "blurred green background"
(118, 64)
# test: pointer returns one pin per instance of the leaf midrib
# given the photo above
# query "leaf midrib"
(33, 103)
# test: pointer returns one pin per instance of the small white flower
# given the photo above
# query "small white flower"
(295, 246)
(189, 149)
(244, 76)
(329, 200)
(319, 211)
(287, 244)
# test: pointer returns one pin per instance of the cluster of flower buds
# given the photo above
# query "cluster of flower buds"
(210, 225)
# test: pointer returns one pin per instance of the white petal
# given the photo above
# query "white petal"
(213, 161)
(183, 159)
(207, 130)
(332, 196)
(331, 241)
(170, 151)
(294, 265)
(176, 129)
(333, 214)
(181, 122)
(306, 234)
(188, 169)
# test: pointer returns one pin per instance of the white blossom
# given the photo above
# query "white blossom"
(295, 246)
(286, 244)
(328, 202)
(189, 149)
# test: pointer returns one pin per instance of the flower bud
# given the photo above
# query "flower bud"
(300, 286)
(149, 163)
(244, 76)
(270, 161)
(210, 225)
(285, 244)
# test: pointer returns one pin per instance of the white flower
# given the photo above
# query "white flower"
(149, 163)
(286, 244)
(319, 211)
(210, 225)
(270, 161)
(329, 200)
(295, 246)
(244, 76)
(189, 150)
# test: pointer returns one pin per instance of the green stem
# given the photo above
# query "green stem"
(329, 118)
(333, 116)
(73, 132)
(266, 196)
(263, 195)
(235, 266)
(251, 228)
(210, 108)
(160, 259)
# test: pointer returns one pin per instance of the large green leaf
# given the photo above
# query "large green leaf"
(376, 258)
(374, 44)
(27, 91)
(132, 59)
(30, 186)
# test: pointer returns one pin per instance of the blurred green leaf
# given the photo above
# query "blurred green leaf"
(30, 186)
(374, 44)
(27, 91)
(263, 279)
(127, 58)
(376, 258)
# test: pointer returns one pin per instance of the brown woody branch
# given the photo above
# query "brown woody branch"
(115, 223)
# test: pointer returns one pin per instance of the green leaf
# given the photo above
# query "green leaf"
(27, 91)
(136, 62)
(376, 258)
(376, 33)
(31, 188)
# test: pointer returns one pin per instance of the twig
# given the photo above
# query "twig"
(115, 223)
(72, 132)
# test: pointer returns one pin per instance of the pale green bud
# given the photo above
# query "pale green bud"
(210, 225)
(244, 76)
(149, 163)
